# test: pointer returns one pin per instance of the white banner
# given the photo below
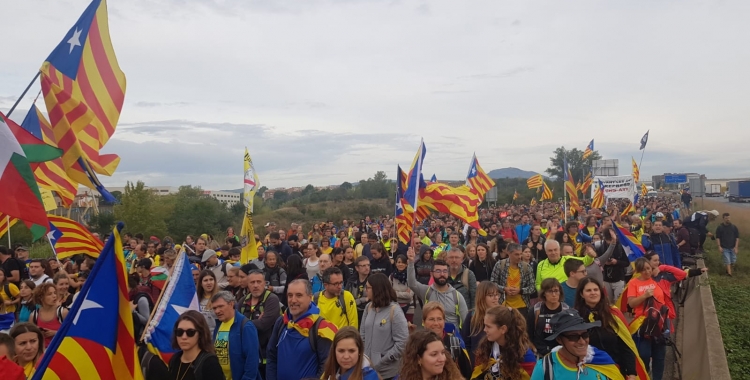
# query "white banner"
(615, 186)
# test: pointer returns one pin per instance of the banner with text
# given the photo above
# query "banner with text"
(614, 186)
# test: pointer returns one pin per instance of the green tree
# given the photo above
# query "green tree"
(195, 213)
(577, 165)
(142, 210)
(103, 223)
(346, 186)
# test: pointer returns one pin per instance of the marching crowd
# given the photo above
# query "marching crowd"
(534, 298)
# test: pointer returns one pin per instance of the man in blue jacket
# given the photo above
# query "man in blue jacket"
(663, 244)
(523, 229)
(235, 339)
(301, 338)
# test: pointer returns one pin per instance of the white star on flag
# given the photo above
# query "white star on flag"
(87, 304)
(179, 309)
(75, 40)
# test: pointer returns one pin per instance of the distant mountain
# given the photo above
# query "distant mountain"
(511, 173)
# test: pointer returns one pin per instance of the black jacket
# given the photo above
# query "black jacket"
(616, 272)
(382, 265)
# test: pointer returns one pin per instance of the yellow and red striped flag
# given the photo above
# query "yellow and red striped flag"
(533, 202)
(6, 222)
(598, 200)
(515, 195)
(628, 209)
(49, 175)
(422, 211)
(570, 187)
(636, 172)
(589, 150)
(547, 192)
(535, 182)
(477, 179)
(586, 184)
(73, 239)
(644, 190)
(461, 202)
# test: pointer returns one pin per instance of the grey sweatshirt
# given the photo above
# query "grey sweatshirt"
(447, 298)
(384, 335)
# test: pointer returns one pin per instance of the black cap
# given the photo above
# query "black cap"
(569, 320)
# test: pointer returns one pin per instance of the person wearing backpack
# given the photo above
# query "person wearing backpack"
(262, 307)
(439, 291)
(192, 338)
(49, 316)
(235, 340)
(15, 269)
(460, 277)
(141, 302)
(651, 326)
(515, 280)
(336, 305)
(301, 338)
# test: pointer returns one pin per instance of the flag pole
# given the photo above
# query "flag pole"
(23, 93)
(641, 162)
(7, 221)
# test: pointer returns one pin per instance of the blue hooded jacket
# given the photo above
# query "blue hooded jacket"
(663, 244)
(367, 372)
(245, 356)
(288, 343)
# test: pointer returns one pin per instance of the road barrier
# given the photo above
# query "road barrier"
(698, 334)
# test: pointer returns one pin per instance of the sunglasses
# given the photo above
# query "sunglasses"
(190, 332)
(576, 337)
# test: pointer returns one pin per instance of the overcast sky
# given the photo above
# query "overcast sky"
(326, 91)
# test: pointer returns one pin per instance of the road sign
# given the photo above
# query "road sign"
(675, 178)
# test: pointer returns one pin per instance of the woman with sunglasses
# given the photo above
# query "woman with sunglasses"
(195, 358)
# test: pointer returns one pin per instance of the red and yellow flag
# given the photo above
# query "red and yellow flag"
(477, 179)
(636, 172)
(75, 239)
(535, 182)
(570, 188)
(547, 192)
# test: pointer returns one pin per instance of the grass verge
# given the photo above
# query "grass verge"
(732, 294)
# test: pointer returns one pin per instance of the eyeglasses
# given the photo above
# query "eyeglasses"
(190, 332)
(576, 337)
(493, 295)
(553, 291)
(440, 271)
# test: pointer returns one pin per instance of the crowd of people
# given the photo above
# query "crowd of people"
(533, 297)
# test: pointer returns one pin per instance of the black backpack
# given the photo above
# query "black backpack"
(138, 327)
(656, 325)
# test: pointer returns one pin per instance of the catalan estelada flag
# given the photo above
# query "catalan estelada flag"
(49, 175)
(547, 193)
(404, 220)
(570, 188)
(178, 297)
(598, 199)
(69, 238)
(630, 243)
(477, 179)
(589, 150)
(585, 184)
(636, 172)
(422, 211)
(84, 90)
(644, 190)
(415, 182)
(96, 339)
(535, 182)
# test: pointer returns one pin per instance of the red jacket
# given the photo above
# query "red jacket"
(10, 370)
(509, 233)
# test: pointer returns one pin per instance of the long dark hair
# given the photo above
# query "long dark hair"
(517, 341)
(332, 365)
(204, 334)
(382, 290)
(27, 327)
(206, 273)
(294, 267)
(602, 311)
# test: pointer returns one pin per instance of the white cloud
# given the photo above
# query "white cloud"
(324, 91)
